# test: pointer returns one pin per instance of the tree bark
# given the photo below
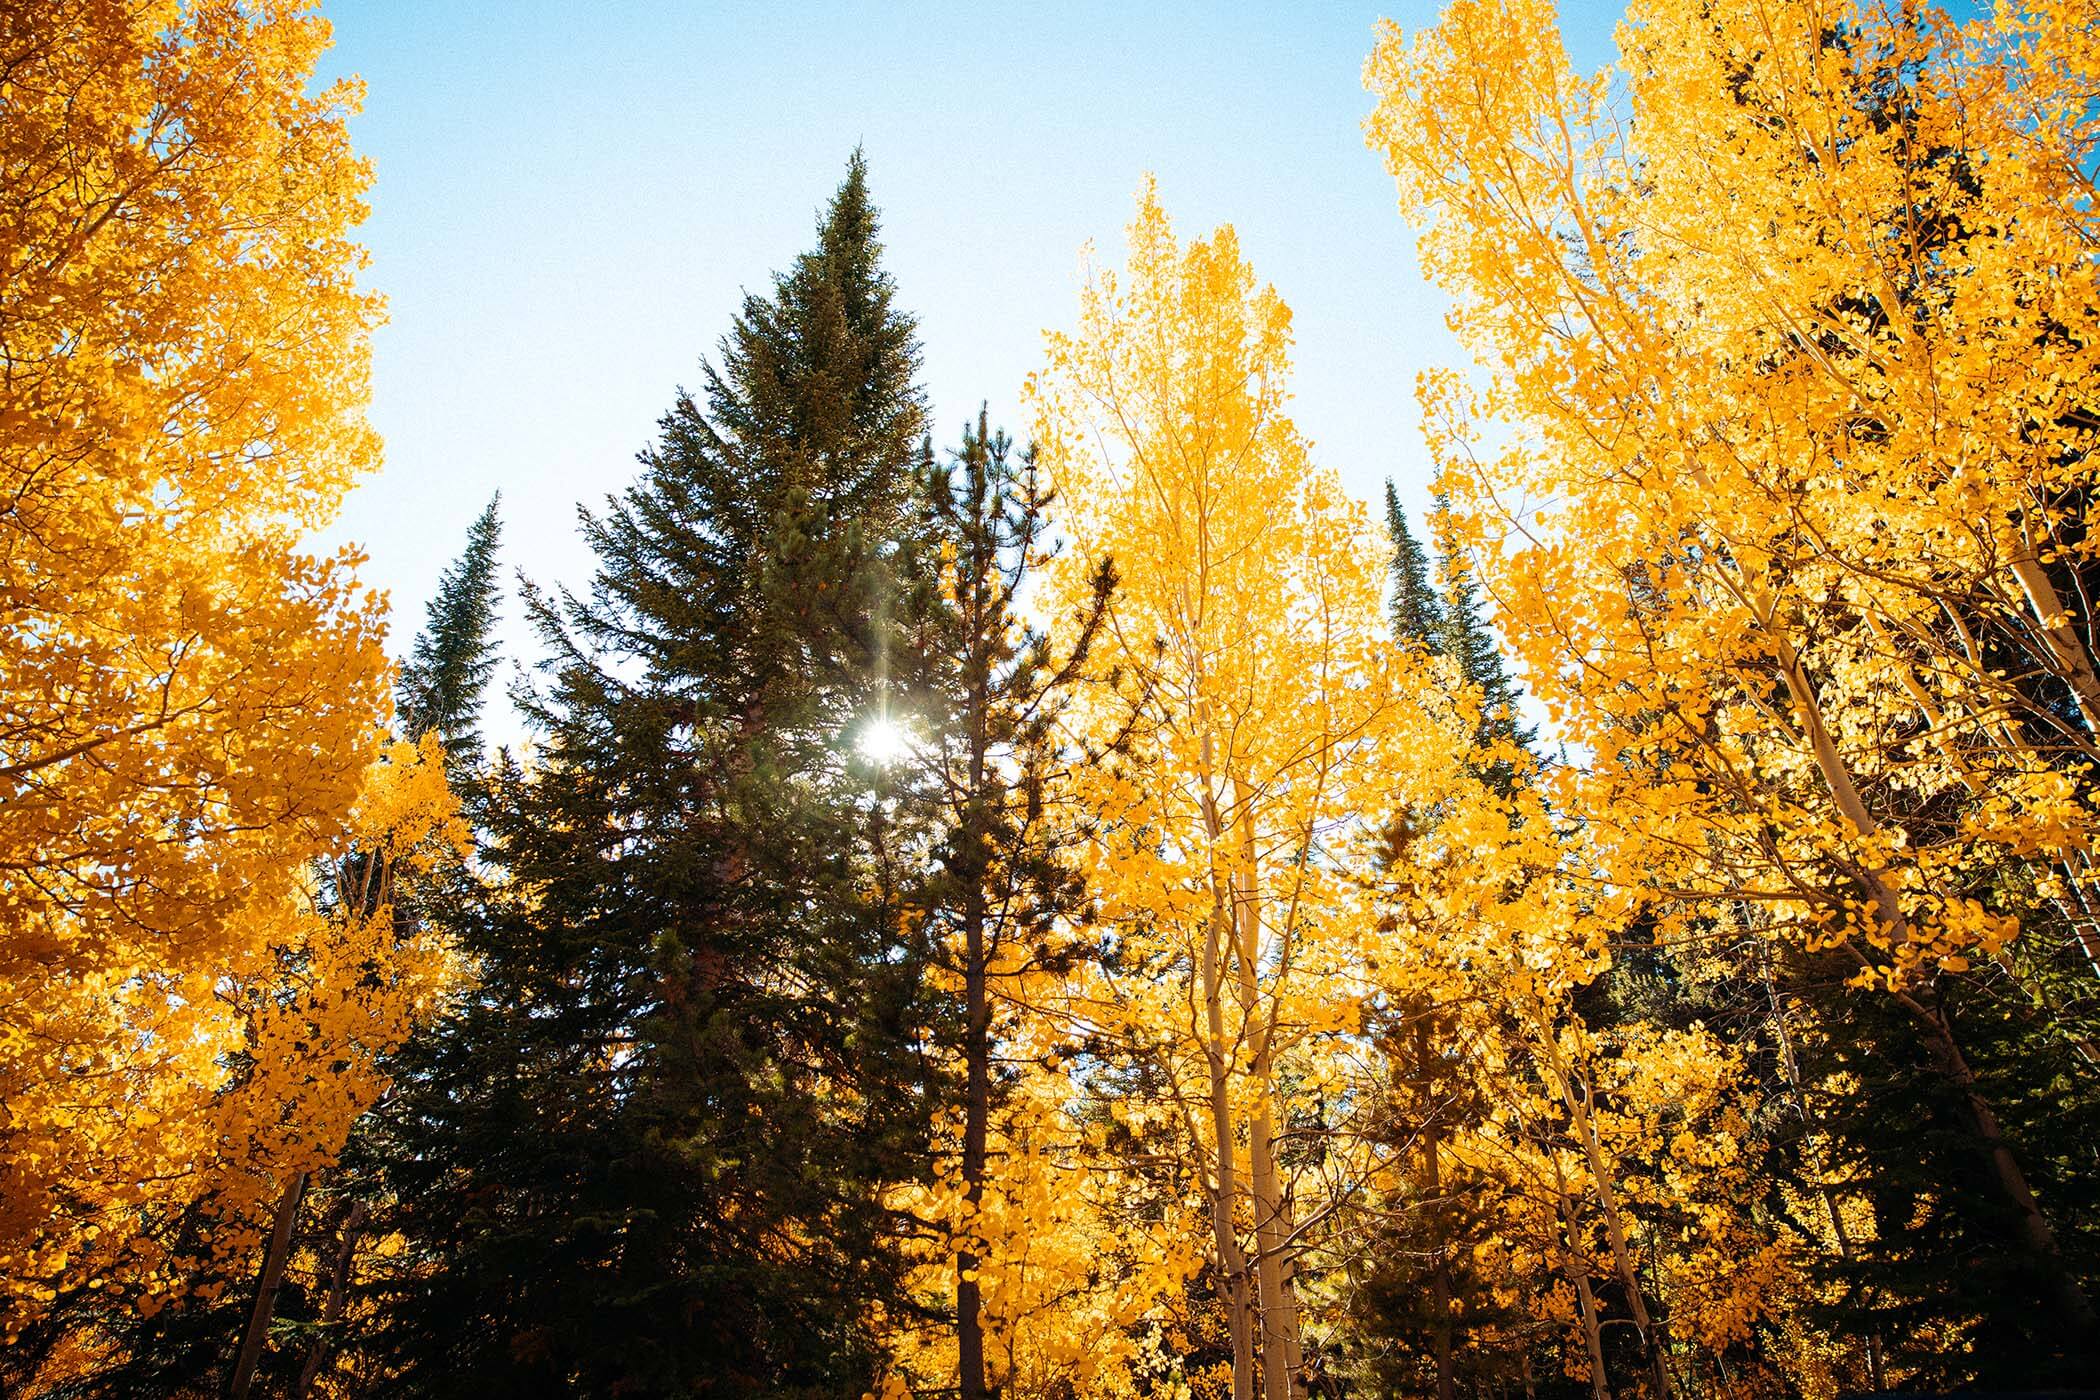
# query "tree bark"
(266, 1285)
(1579, 1275)
(1282, 1348)
(2075, 1310)
(969, 1322)
(977, 1090)
(1607, 1202)
(2058, 636)
(1232, 1264)
(332, 1311)
(2037, 1237)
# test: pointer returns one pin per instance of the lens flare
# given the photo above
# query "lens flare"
(884, 741)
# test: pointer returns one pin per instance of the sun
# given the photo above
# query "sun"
(884, 741)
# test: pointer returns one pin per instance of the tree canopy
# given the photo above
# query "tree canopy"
(1108, 913)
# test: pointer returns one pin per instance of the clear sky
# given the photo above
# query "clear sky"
(571, 199)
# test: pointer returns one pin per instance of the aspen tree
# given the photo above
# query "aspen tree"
(1251, 606)
(189, 702)
(1791, 335)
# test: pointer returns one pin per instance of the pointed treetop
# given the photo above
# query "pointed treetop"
(1466, 639)
(826, 368)
(1416, 612)
(441, 684)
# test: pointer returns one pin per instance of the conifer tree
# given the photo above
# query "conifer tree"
(650, 1154)
(1463, 636)
(1931, 1266)
(1418, 614)
(442, 683)
(1005, 890)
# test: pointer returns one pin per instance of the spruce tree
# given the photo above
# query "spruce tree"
(1939, 1272)
(649, 1154)
(447, 671)
(1416, 610)
(1463, 636)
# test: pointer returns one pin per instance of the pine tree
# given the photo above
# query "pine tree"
(442, 682)
(1418, 614)
(1004, 887)
(650, 1154)
(1462, 634)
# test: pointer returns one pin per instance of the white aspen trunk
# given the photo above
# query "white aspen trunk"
(1592, 1334)
(1282, 1348)
(274, 1257)
(1579, 1275)
(1232, 1263)
(1608, 1204)
(332, 1312)
(2058, 635)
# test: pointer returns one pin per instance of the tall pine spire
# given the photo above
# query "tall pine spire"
(1416, 611)
(652, 1155)
(1463, 636)
(442, 683)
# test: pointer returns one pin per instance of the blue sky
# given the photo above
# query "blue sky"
(572, 198)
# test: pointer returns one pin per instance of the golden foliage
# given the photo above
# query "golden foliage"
(1798, 363)
(189, 705)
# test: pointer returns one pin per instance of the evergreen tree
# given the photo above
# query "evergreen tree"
(1417, 1297)
(1463, 635)
(1418, 614)
(447, 671)
(1003, 884)
(1940, 1274)
(649, 1155)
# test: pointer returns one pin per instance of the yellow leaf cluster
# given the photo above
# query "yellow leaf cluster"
(1804, 393)
(189, 705)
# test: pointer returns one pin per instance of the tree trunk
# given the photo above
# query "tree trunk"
(1579, 1275)
(974, 868)
(2036, 1236)
(2059, 637)
(332, 1311)
(280, 1249)
(1607, 1202)
(1282, 1349)
(2074, 1310)
(1232, 1264)
(969, 1322)
(1592, 1330)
